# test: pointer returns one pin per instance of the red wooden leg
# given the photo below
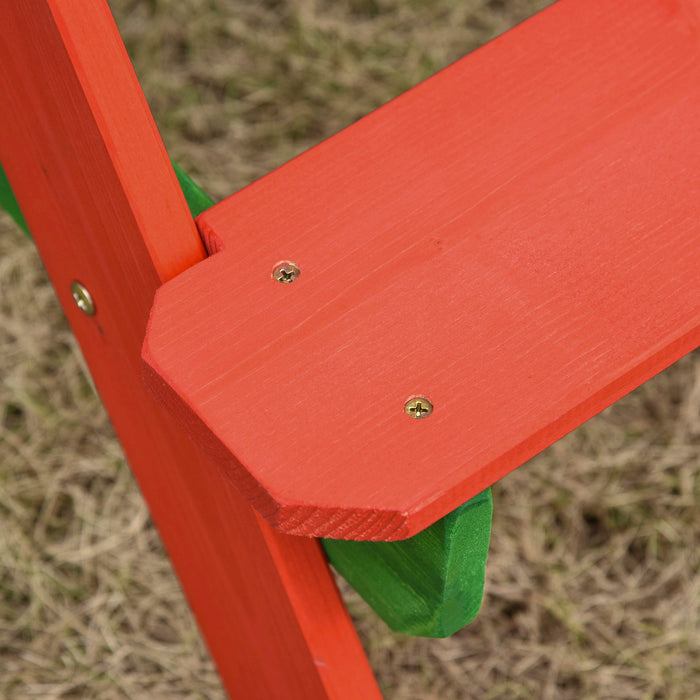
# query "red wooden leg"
(92, 177)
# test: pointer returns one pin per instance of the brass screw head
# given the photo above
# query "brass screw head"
(83, 298)
(418, 407)
(286, 272)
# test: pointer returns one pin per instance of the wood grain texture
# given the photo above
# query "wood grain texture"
(430, 585)
(516, 239)
(92, 177)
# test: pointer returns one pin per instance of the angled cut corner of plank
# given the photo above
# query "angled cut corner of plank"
(515, 240)
(430, 585)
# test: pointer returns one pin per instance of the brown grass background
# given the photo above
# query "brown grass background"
(593, 581)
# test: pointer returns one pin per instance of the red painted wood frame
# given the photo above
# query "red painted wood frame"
(90, 172)
(517, 239)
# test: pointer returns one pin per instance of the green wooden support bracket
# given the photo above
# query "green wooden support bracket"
(9, 203)
(196, 200)
(429, 585)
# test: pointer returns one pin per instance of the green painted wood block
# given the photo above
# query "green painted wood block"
(9, 203)
(429, 585)
(196, 200)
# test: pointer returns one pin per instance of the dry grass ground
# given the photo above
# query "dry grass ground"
(594, 575)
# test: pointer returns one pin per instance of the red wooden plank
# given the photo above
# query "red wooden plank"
(91, 175)
(516, 239)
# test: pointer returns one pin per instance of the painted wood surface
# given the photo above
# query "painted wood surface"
(91, 175)
(430, 585)
(516, 239)
(197, 200)
(9, 203)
